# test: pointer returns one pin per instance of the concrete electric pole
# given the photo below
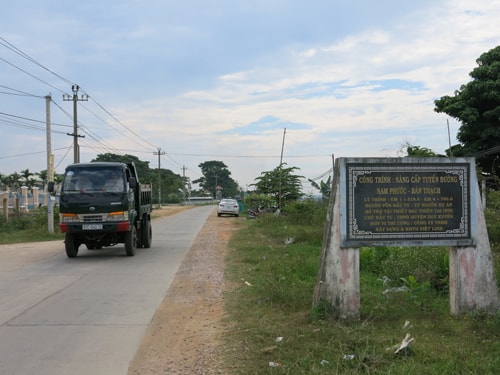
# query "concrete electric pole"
(159, 153)
(50, 166)
(75, 99)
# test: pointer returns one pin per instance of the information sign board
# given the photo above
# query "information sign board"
(412, 203)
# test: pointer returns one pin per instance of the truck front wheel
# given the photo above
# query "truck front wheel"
(131, 241)
(71, 245)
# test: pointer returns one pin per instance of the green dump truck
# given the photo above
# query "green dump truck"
(102, 204)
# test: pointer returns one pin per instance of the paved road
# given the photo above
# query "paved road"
(86, 315)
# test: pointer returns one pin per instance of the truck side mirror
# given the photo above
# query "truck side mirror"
(132, 183)
(50, 186)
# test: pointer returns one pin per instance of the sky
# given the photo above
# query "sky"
(248, 83)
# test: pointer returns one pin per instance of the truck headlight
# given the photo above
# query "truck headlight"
(118, 216)
(69, 218)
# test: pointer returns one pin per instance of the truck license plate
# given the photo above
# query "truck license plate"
(91, 226)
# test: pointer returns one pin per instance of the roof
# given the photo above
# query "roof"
(97, 164)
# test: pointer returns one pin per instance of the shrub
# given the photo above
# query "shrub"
(28, 226)
(492, 215)
(309, 212)
(424, 264)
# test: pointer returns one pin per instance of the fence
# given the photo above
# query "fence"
(24, 200)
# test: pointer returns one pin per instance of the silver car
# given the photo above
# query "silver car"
(228, 207)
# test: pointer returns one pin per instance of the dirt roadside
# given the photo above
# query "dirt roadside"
(185, 333)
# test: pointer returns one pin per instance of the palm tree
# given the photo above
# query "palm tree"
(43, 176)
(14, 181)
(26, 174)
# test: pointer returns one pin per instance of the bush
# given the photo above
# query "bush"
(492, 216)
(28, 226)
(309, 212)
(424, 264)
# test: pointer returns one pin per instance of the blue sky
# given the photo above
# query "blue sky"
(221, 80)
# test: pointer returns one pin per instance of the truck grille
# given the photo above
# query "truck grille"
(92, 218)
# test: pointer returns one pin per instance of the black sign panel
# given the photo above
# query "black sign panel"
(407, 202)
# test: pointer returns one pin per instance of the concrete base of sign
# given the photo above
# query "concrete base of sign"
(338, 279)
(473, 284)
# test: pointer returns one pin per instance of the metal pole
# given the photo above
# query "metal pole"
(50, 172)
(449, 137)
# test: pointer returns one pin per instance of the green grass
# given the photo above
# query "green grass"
(28, 227)
(273, 292)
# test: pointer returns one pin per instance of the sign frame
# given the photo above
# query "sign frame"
(407, 202)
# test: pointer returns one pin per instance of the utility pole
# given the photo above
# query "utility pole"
(75, 99)
(159, 153)
(216, 183)
(280, 171)
(449, 138)
(187, 182)
(50, 166)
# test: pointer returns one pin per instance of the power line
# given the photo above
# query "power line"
(16, 50)
(26, 126)
(327, 173)
(18, 92)
(30, 119)
(86, 130)
(111, 126)
(122, 124)
(248, 156)
(24, 55)
(31, 75)
(64, 156)
(29, 153)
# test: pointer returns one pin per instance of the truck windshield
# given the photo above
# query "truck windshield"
(92, 180)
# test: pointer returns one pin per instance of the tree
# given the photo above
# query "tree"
(280, 180)
(43, 174)
(141, 166)
(14, 181)
(418, 151)
(476, 105)
(26, 177)
(216, 177)
(4, 181)
(324, 187)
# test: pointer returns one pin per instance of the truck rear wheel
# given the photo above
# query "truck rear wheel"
(71, 245)
(131, 241)
(147, 234)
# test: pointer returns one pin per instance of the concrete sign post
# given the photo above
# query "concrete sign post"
(406, 202)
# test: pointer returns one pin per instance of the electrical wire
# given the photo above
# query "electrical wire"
(94, 136)
(122, 124)
(29, 153)
(16, 50)
(29, 74)
(30, 119)
(17, 92)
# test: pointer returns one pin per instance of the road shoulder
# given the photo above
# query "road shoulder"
(185, 334)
